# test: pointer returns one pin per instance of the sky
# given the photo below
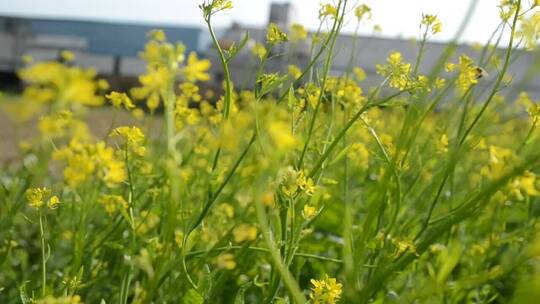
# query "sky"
(397, 18)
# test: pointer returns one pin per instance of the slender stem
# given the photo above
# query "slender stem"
(225, 66)
(284, 272)
(334, 33)
(501, 75)
(43, 256)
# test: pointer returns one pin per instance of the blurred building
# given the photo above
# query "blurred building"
(111, 48)
(362, 51)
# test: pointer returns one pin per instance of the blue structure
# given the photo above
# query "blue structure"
(108, 38)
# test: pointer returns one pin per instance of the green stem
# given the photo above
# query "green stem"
(43, 256)
(334, 33)
(225, 66)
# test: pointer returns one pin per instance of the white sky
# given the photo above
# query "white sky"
(398, 18)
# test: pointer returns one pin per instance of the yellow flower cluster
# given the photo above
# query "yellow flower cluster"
(396, 70)
(281, 135)
(120, 99)
(274, 35)
(432, 23)
(196, 70)
(214, 6)
(244, 233)
(328, 10)
(524, 184)
(226, 261)
(529, 30)
(62, 124)
(532, 107)
(37, 197)
(292, 181)
(468, 73)
(362, 11)
(325, 291)
(75, 299)
(258, 51)
(359, 154)
(298, 33)
(84, 159)
(309, 212)
(347, 92)
(112, 203)
(54, 82)
(133, 137)
(507, 9)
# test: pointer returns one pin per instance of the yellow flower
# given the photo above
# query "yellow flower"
(67, 56)
(529, 30)
(361, 11)
(431, 22)
(359, 73)
(359, 154)
(196, 70)
(119, 99)
(281, 135)
(75, 299)
(133, 135)
(306, 184)
(294, 71)
(83, 160)
(215, 6)
(53, 203)
(258, 50)
(396, 70)
(328, 10)
(402, 246)
(226, 210)
(309, 212)
(54, 82)
(274, 35)
(226, 261)
(157, 35)
(55, 125)
(111, 203)
(468, 73)
(298, 32)
(27, 59)
(289, 181)
(244, 232)
(442, 144)
(325, 291)
(525, 184)
(533, 109)
(36, 196)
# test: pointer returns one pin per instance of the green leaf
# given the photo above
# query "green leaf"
(192, 297)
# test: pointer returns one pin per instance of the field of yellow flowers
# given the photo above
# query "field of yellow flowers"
(310, 188)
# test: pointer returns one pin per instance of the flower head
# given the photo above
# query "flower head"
(274, 35)
(328, 10)
(397, 71)
(244, 232)
(431, 23)
(120, 99)
(362, 11)
(196, 70)
(213, 6)
(298, 32)
(468, 73)
(38, 197)
(325, 291)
